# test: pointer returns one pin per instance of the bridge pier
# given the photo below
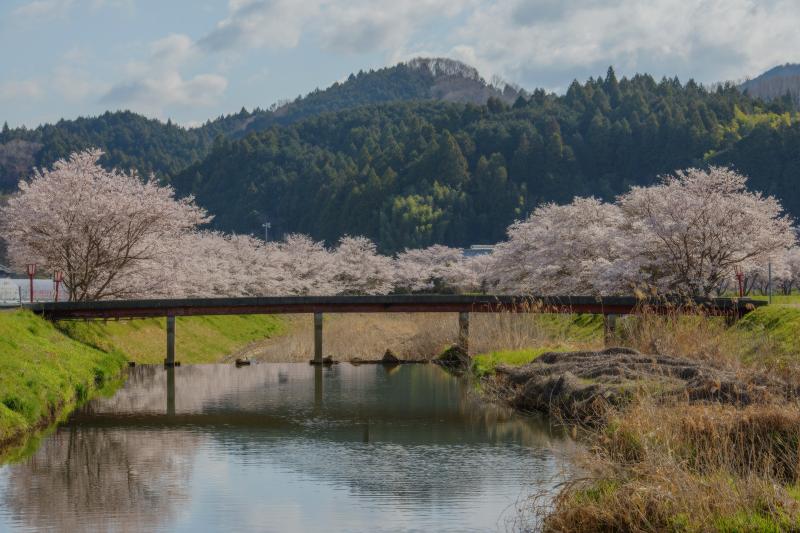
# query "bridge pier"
(317, 338)
(463, 330)
(170, 360)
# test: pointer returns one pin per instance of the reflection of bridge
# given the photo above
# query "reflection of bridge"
(609, 307)
(341, 403)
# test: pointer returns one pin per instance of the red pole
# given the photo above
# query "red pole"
(58, 277)
(739, 278)
(31, 273)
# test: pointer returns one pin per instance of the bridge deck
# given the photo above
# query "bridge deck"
(415, 303)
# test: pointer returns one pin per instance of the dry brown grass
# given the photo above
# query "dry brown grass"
(687, 468)
(673, 466)
(416, 336)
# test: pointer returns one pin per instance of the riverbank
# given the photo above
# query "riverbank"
(47, 369)
(696, 430)
(44, 373)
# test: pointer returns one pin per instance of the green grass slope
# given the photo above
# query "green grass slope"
(198, 339)
(43, 371)
(778, 325)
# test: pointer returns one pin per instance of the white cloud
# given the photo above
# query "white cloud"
(353, 26)
(154, 94)
(39, 9)
(542, 42)
(76, 84)
(261, 23)
(361, 26)
(42, 8)
(21, 90)
(158, 83)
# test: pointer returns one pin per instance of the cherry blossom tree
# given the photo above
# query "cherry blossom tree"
(793, 263)
(359, 269)
(480, 269)
(214, 264)
(436, 268)
(757, 275)
(104, 229)
(305, 266)
(688, 232)
(563, 249)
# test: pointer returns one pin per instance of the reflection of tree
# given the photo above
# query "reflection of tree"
(98, 479)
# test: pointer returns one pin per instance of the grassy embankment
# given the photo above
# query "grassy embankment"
(198, 339)
(680, 465)
(47, 369)
(43, 373)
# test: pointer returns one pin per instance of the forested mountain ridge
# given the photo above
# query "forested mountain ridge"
(129, 140)
(151, 146)
(415, 173)
(782, 81)
(428, 152)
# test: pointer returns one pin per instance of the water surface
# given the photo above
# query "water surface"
(283, 447)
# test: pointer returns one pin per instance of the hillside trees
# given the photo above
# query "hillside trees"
(413, 174)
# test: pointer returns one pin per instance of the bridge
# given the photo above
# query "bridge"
(609, 307)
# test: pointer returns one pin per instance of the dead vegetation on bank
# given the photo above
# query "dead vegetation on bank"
(675, 457)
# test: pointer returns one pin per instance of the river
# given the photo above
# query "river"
(284, 447)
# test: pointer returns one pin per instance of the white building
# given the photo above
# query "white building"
(478, 249)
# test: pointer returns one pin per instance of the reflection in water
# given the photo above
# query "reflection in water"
(283, 447)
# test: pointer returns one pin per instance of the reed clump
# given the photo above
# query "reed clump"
(682, 467)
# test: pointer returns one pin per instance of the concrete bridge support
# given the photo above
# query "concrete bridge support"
(170, 360)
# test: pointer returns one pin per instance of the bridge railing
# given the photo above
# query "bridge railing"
(409, 303)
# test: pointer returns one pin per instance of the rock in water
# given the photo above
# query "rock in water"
(454, 357)
(389, 358)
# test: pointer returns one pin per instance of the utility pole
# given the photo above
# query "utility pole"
(266, 225)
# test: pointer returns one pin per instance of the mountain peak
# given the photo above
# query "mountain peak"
(445, 67)
(775, 83)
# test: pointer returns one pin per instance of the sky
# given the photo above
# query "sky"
(191, 60)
